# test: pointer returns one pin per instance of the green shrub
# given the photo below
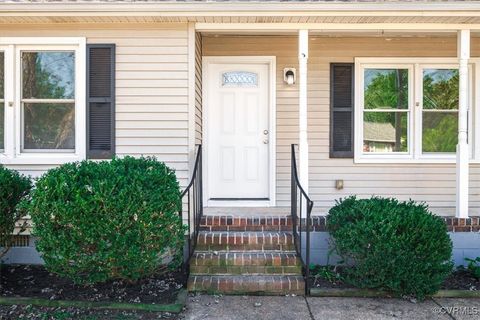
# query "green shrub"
(474, 266)
(116, 219)
(396, 246)
(13, 187)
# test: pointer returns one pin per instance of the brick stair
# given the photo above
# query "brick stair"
(246, 255)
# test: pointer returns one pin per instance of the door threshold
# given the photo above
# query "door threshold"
(239, 203)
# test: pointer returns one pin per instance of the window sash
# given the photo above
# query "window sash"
(42, 150)
(397, 111)
(416, 104)
(422, 111)
(361, 110)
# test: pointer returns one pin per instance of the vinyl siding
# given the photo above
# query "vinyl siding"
(151, 87)
(433, 183)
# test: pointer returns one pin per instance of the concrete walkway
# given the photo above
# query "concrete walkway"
(299, 308)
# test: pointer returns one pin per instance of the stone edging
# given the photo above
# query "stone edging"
(366, 293)
(175, 307)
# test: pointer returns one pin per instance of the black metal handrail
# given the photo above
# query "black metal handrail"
(194, 196)
(300, 202)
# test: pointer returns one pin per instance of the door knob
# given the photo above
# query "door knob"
(265, 141)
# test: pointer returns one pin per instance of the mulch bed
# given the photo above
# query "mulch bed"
(461, 279)
(21, 312)
(36, 282)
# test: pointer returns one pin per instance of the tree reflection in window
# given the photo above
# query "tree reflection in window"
(48, 105)
(440, 110)
(385, 119)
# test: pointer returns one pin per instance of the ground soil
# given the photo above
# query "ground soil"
(460, 279)
(19, 312)
(37, 282)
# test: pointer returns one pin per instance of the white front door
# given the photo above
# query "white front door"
(238, 135)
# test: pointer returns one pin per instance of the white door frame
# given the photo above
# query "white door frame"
(271, 61)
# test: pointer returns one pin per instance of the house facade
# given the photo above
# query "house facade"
(381, 97)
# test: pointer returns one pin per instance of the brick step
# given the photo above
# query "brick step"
(251, 284)
(244, 241)
(245, 270)
(245, 223)
(245, 258)
(245, 263)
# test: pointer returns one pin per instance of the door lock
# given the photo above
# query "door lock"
(265, 141)
(10, 103)
(265, 132)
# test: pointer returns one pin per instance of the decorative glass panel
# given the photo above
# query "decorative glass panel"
(440, 110)
(385, 132)
(48, 75)
(386, 89)
(49, 125)
(239, 78)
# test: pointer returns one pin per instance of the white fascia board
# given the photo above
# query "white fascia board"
(172, 8)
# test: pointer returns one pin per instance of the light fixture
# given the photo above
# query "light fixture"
(289, 76)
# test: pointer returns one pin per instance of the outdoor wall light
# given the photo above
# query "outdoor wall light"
(289, 76)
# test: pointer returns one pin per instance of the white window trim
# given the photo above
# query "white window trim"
(415, 95)
(12, 47)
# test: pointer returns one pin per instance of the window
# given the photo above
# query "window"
(439, 110)
(406, 111)
(45, 94)
(48, 100)
(386, 110)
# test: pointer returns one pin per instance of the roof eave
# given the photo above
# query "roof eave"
(172, 8)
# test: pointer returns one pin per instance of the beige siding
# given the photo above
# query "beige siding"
(434, 184)
(151, 87)
(198, 88)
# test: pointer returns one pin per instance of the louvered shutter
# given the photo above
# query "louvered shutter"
(341, 110)
(100, 101)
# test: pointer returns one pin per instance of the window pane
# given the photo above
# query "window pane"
(49, 126)
(386, 89)
(2, 67)
(385, 132)
(440, 131)
(440, 89)
(2, 126)
(48, 75)
(2, 105)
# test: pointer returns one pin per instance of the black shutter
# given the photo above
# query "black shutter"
(100, 101)
(341, 110)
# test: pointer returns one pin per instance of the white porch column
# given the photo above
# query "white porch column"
(302, 101)
(463, 48)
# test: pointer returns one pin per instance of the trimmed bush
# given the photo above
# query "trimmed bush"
(391, 245)
(117, 219)
(13, 187)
